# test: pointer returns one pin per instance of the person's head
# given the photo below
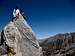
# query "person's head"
(16, 7)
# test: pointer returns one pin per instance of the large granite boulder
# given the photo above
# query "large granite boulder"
(19, 35)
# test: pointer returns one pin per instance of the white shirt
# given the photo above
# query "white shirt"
(16, 12)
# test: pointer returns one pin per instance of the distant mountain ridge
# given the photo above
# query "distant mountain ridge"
(59, 45)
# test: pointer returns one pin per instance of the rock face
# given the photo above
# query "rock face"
(19, 35)
(59, 45)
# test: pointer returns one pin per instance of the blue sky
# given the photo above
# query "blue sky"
(46, 17)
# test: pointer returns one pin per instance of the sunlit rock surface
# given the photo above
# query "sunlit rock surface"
(19, 35)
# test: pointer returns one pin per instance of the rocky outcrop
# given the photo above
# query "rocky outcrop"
(59, 45)
(19, 35)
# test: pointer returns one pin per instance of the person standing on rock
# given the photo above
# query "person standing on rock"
(16, 13)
